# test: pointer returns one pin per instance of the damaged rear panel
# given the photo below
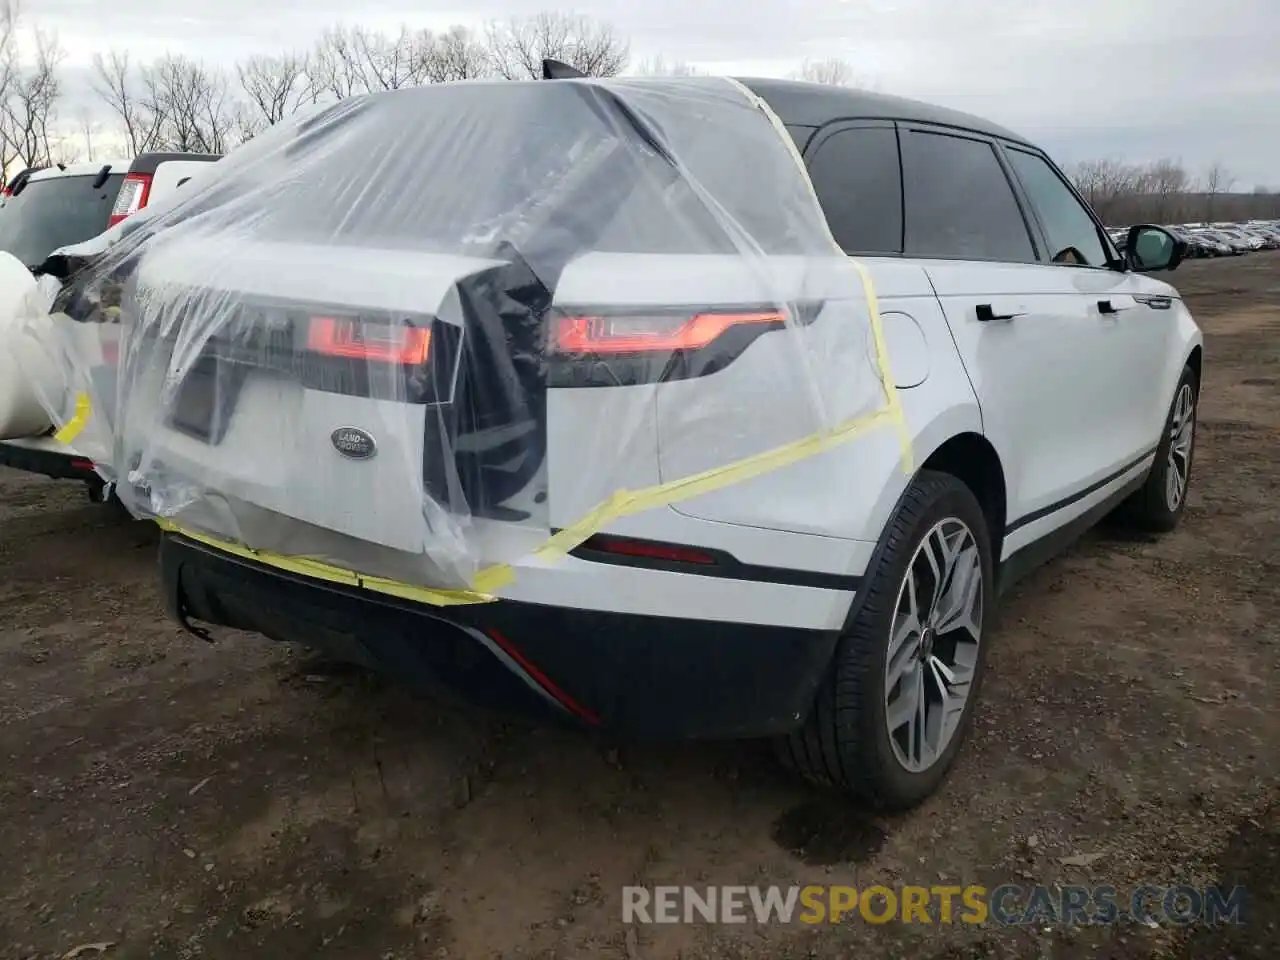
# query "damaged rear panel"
(415, 334)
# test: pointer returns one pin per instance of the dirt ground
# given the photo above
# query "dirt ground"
(174, 799)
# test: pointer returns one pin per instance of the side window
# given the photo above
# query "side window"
(959, 201)
(858, 179)
(1074, 238)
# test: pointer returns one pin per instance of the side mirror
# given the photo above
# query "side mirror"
(1149, 248)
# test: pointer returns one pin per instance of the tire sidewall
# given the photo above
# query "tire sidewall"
(947, 498)
(1158, 499)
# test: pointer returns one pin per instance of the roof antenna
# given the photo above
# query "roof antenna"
(555, 70)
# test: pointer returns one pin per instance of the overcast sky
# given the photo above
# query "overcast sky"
(1085, 78)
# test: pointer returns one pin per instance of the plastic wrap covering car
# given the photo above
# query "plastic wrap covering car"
(417, 334)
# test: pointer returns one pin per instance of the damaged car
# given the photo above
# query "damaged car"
(676, 407)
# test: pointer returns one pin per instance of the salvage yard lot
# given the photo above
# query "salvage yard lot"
(175, 799)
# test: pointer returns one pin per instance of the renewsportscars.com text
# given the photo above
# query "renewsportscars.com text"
(1006, 905)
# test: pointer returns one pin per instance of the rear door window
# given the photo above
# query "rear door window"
(959, 203)
(54, 213)
(857, 175)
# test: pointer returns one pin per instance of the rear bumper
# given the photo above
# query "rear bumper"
(56, 463)
(629, 673)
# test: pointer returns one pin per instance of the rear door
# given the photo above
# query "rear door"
(1034, 346)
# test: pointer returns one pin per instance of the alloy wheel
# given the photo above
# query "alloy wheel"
(933, 646)
(1181, 435)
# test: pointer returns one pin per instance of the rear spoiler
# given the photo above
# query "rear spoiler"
(555, 70)
(20, 180)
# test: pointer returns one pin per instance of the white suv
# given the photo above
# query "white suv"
(839, 603)
(51, 221)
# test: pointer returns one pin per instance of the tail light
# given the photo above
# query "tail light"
(650, 334)
(609, 349)
(377, 342)
(133, 196)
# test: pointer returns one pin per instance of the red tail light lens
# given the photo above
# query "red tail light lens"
(649, 334)
(383, 343)
(133, 196)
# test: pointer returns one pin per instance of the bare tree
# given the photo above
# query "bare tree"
(1217, 180)
(1167, 180)
(457, 54)
(832, 71)
(390, 62)
(1106, 184)
(199, 114)
(333, 67)
(8, 56)
(29, 110)
(518, 46)
(8, 64)
(88, 131)
(124, 92)
(349, 61)
(275, 86)
(659, 66)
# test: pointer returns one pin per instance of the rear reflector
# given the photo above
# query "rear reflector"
(133, 196)
(648, 334)
(649, 549)
(383, 343)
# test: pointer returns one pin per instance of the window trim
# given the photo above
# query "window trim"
(1115, 263)
(834, 128)
(802, 135)
(1031, 225)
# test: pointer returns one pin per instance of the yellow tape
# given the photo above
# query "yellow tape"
(75, 426)
(330, 573)
(622, 503)
(893, 405)
(626, 502)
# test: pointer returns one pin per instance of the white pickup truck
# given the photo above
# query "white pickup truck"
(49, 220)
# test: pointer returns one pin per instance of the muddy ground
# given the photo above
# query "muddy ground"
(173, 799)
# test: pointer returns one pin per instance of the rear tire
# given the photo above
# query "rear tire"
(1158, 504)
(855, 737)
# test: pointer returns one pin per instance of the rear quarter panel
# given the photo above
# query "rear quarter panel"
(847, 492)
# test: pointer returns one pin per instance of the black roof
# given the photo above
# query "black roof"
(814, 104)
(150, 162)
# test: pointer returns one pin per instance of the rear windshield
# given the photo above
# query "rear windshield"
(464, 168)
(54, 213)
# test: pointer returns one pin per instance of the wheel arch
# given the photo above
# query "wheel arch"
(1195, 360)
(971, 459)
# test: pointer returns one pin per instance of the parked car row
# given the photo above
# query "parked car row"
(1217, 239)
(554, 293)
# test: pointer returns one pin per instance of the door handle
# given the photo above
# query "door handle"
(1116, 304)
(988, 312)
